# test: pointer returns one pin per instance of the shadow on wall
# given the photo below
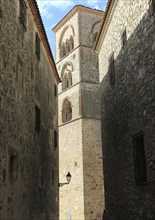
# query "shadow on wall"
(127, 106)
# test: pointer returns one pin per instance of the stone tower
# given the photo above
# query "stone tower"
(79, 116)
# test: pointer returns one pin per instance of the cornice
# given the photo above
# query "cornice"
(73, 12)
(38, 20)
(105, 24)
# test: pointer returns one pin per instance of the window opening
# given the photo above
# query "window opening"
(67, 77)
(37, 46)
(139, 158)
(72, 43)
(112, 71)
(55, 139)
(63, 50)
(153, 5)
(37, 119)
(13, 167)
(55, 90)
(22, 12)
(67, 111)
(124, 38)
(52, 177)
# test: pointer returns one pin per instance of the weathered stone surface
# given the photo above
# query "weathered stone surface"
(128, 108)
(26, 155)
(80, 138)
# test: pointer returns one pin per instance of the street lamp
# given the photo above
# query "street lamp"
(68, 177)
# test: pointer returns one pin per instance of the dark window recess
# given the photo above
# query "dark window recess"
(1, 13)
(52, 177)
(4, 175)
(48, 97)
(153, 5)
(23, 13)
(139, 159)
(95, 36)
(69, 115)
(67, 111)
(55, 90)
(112, 71)
(41, 177)
(37, 46)
(37, 118)
(13, 167)
(124, 38)
(55, 139)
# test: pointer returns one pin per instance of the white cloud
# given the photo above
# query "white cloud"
(92, 2)
(45, 5)
(95, 4)
(97, 7)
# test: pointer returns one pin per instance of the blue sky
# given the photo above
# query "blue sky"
(52, 11)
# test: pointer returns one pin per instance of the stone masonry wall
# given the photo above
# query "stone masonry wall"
(71, 160)
(70, 136)
(79, 138)
(30, 192)
(91, 129)
(128, 108)
(92, 169)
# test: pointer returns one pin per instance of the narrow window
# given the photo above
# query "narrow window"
(66, 80)
(112, 71)
(67, 46)
(55, 139)
(69, 79)
(19, 78)
(52, 177)
(71, 43)
(13, 166)
(55, 90)
(4, 175)
(1, 13)
(37, 46)
(48, 97)
(95, 36)
(139, 158)
(41, 182)
(22, 12)
(63, 50)
(37, 118)
(67, 111)
(124, 38)
(69, 114)
(153, 5)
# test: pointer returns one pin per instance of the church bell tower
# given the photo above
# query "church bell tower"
(80, 151)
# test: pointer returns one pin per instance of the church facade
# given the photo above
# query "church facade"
(79, 122)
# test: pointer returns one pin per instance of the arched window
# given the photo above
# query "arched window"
(63, 50)
(71, 42)
(95, 36)
(67, 111)
(67, 46)
(64, 82)
(69, 79)
(67, 76)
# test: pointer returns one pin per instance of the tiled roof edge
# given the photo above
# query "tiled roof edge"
(105, 18)
(39, 23)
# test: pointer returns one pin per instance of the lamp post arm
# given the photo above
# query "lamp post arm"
(62, 184)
